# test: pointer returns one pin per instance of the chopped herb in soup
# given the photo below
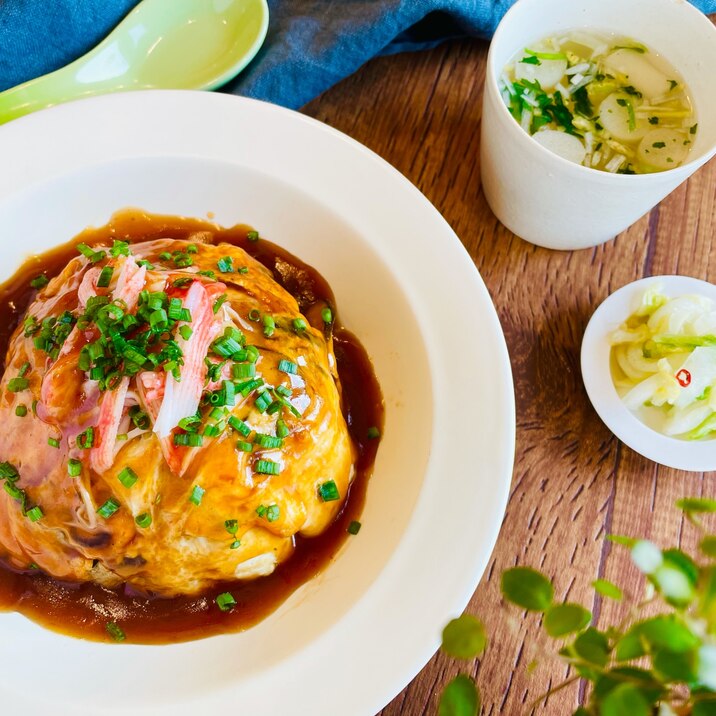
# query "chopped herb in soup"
(602, 101)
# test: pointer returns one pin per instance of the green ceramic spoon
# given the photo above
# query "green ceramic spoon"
(176, 44)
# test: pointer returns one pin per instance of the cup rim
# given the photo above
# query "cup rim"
(492, 87)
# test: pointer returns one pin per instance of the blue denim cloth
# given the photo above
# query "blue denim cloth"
(311, 44)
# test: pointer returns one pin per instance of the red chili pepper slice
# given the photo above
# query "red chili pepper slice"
(684, 378)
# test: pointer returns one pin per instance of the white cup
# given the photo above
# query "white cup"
(550, 201)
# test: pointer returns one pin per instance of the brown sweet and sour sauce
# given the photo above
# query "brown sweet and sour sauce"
(84, 610)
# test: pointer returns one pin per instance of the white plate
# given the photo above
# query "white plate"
(696, 456)
(348, 641)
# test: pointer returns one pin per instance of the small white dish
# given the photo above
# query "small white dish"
(695, 456)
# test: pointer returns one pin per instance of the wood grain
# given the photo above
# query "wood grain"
(573, 482)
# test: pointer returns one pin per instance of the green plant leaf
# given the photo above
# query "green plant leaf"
(704, 708)
(707, 602)
(630, 646)
(673, 666)
(527, 588)
(464, 637)
(696, 504)
(608, 589)
(592, 646)
(567, 618)
(581, 711)
(624, 700)
(606, 682)
(681, 561)
(623, 540)
(459, 698)
(708, 546)
(667, 632)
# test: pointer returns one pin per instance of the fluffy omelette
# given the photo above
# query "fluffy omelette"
(169, 420)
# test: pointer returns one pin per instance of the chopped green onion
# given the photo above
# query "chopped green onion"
(252, 235)
(158, 320)
(197, 493)
(17, 385)
(252, 353)
(283, 390)
(127, 477)
(53, 442)
(143, 520)
(39, 281)
(174, 310)
(272, 513)
(268, 441)
(299, 325)
(327, 315)
(263, 400)
(139, 417)
(185, 332)
(254, 314)
(235, 544)
(243, 370)
(192, 249)
(269, 325)
(373, 433)
(231, 526)
(105, 277)
(546, 55)
(122, 436)
(225, 264)
(91, 254)
(115, 631)
(34, 407)
(182, 282)
(244, 446)
(248, 386)
(225, 602)
(8, 472)
(274, 407)
(190, 424)
(354, 527)
(21, 411)
(281, 428)
(108, 508)
(217, 413)
(328, 491)
(243, 269)
(35, 514)
(74, 467)
(220, 302)
(208, 274)
(85, 439)
(239, 425)
(285, 366)
(212, 431)
(188, 440)
(267, 467)
(119, 248)
(165, 256)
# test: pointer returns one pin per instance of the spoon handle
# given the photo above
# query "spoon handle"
(45, 91)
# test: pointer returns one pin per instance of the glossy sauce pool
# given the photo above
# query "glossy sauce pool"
(81, 609)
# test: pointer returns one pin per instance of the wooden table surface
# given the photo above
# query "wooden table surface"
(573, 482)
